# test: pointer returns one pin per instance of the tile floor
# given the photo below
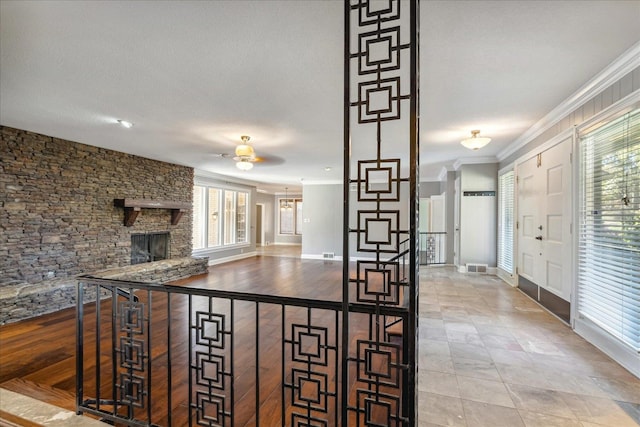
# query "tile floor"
(490, 356)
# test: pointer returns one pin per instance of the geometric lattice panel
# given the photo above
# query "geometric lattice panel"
(379, 51)
(309, 344)
(310, 365)
(378, 362)
(378, 231)
(131, 317)
(382, 140)
(210, 330)
(377, 282)
(211, 364)
(379, 100)
(379, 180)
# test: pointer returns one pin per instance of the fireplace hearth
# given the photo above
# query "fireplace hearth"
(149, 247)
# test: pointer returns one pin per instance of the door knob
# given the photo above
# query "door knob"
(538, 237)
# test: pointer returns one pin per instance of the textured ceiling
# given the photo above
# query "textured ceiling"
(193, 76)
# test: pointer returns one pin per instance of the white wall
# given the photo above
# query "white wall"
(322, 220)
(322, 212)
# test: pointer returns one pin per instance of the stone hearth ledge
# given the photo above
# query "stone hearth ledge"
(163, 271)
(42, 413)
(22, 300)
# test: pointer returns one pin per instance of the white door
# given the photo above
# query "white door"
(259, 225)
(529, 246)
(425, 209)
(556, 224)
(544, 219)
(438, 214)
(456, 222)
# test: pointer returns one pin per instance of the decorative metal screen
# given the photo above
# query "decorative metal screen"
(223, 358)
(381, 193)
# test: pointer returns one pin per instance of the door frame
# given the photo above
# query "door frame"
(261, 217)
(564, 135)
(456, 223)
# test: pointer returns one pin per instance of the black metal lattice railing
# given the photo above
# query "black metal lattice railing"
(433, 247)
(171, 355)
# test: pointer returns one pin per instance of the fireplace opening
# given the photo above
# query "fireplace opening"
(148, 247)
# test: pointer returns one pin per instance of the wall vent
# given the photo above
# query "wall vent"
(477, 268)
(328, 255)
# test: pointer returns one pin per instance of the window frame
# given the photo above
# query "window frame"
(297, 228)
(504, 225)
(224, 242)
(611, 345)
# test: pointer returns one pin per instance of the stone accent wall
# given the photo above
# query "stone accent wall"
(58, 220)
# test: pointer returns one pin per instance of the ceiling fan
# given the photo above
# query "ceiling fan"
(245, 155)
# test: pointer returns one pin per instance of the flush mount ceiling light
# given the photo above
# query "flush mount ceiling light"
(125, 124)
(475, 142)
(245, 156)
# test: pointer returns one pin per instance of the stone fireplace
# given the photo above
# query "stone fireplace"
(60, 221)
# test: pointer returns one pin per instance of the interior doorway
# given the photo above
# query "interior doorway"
(259, 224)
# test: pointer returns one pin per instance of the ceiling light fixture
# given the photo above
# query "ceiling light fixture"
(245, 156)
(475, 142)
(244, 165)
(125, 124)
(286, 199)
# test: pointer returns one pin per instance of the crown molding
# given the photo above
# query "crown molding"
(623, 65)
(322, 182)
(473, 161)
(442, 176)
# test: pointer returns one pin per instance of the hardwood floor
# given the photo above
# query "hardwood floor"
(38, 355)
(489, 356)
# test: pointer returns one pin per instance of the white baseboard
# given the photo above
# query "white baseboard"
(619, 352)
(320, 257)
(232, 258)
(506, 277)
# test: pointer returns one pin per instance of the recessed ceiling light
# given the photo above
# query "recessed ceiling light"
(327, 168)
(125, 123)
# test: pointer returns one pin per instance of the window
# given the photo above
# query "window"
(290, 214)
(198, 217)
(505, 221)
(609, 229)
(219, 217)
(213, 216)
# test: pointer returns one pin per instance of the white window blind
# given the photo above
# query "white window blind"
(609, 234)
(505, 221)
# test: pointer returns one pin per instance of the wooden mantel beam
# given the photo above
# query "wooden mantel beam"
(132, 208)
